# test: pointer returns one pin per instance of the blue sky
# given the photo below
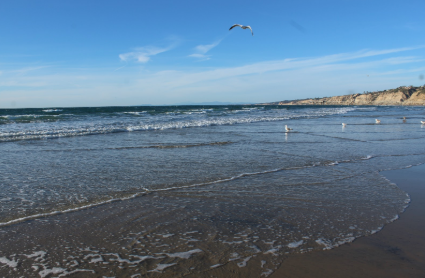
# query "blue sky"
(99, 53)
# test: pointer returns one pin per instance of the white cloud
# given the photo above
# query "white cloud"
(206, 47)
(197, 55)
(202, 49)
(143, 54)
(26, 70)
(336, 60)
(258, 82)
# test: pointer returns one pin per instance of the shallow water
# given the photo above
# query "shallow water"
(195, 190)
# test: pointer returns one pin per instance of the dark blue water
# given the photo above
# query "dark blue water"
(203, 179)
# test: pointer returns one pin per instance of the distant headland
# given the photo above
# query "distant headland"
(404, 95)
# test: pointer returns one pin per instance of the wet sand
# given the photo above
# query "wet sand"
(127, 239)
(398, 250)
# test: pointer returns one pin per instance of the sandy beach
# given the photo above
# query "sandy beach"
(396, 251)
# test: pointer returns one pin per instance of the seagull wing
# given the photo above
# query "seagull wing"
(234, 25)
(249, 27)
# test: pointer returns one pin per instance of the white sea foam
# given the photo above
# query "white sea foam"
(39, 254)
(138, 257)
(244, 262)
(267, 272)
(345, 240)
(52, 110)
(191, 232)
(119, 259)
(167, 235)
(183, 255)
(10, 263)
(274, 251)
(40, 215)
(73, 263)
(256, 249)
(161, 267)
(233, 242)
(96, 258)
(394, 218)
(54, 270)
(295, 244)
(324, 242)
(376, 230)
(234, 256)
(136, 113)
(367, 157)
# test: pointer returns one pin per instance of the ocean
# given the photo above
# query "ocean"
(196, 191)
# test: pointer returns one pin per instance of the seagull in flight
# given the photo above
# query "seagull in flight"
(243, 27)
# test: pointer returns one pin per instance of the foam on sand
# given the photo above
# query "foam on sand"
(295, 244)
(161, 267)
(183, 255)
(10, 263)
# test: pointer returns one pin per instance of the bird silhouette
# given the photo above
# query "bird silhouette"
(243, 27)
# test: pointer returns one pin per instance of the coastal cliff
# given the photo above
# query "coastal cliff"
(400, 96)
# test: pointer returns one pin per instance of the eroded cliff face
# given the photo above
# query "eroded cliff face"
(400, 96)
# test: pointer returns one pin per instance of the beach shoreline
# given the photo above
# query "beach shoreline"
(396, 251)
